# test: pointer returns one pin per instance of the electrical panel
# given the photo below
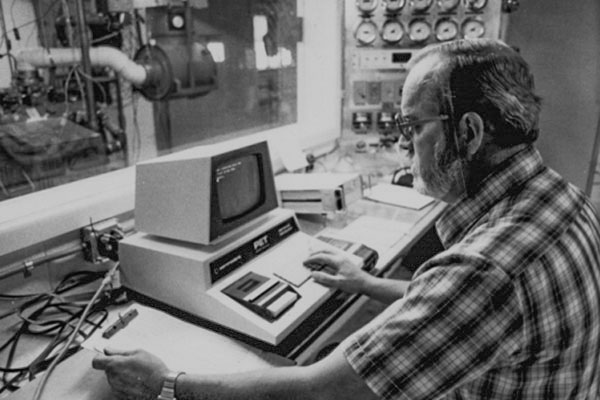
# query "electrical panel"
(380, 38)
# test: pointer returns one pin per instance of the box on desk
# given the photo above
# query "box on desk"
(318, 193)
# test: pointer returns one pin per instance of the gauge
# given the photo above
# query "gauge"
(392, 31)
(419, 30)
(366, 32)
(446, 29)
(473, 28)
(447, 5)
(420, 5)
(366, 6)
(476, 5)
(394, 5)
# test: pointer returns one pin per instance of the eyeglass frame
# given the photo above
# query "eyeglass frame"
(402, 125)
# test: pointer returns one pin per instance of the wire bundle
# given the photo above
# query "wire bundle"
(58, 317)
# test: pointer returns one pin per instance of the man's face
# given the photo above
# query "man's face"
(436, 170)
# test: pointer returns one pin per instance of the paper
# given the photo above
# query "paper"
(182, 345)
(288, 149)
(398, 196)
(378, 233)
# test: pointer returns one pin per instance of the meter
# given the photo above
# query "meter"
(366, 32)
(394, 6)
(419, 30)
(392, 31)
(366, 6)
(420, 5)
(473, 28)
(446, 29)
(476, 5)
(447, 5)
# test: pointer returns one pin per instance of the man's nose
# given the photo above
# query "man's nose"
(404, 143)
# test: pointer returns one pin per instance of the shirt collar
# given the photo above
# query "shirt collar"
(458, 218)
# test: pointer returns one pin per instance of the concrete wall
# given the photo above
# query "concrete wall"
(561, 41)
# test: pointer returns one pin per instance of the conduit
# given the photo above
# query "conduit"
(101, 56)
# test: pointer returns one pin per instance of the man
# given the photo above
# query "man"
(508, 311)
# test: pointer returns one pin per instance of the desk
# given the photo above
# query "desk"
(74, 378)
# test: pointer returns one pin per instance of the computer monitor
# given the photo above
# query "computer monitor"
(204, 194)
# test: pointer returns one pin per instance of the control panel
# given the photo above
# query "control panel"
(380, 38)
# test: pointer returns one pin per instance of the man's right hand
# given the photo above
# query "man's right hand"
(338, 271)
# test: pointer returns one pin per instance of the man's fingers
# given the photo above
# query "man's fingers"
(100, 362)
(111, 351)
(323, 278)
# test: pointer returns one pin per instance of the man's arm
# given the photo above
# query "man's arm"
(341, 273)
(138, 375)
(331, 378)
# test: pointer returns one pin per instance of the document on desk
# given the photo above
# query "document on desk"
(181, 345)
(378, 233)
(398, 196)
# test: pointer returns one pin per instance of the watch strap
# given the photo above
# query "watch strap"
(168, 388)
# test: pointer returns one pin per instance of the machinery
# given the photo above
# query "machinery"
(57, 118)
(380, 38)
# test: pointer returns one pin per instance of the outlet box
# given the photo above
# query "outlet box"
(100, 240)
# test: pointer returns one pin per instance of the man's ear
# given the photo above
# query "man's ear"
(471, 132)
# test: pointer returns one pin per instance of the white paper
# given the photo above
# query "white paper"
(288, 149)
(398, 196)
(378, 233)
(181, 345)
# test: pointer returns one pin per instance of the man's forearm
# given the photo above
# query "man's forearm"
(384, 290)
(331, 378)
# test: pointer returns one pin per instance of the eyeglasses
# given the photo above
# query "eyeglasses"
(406, 126)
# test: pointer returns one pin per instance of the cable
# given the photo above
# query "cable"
(54, 313)
(106, 281)
(33, 21)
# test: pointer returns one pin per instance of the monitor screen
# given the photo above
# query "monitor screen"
(201, 195)
(239, 186)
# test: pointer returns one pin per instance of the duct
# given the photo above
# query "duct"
(102, 56)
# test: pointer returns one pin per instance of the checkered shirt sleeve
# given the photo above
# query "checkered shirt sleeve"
(454, 323)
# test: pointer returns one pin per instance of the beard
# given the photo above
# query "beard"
(442, 176)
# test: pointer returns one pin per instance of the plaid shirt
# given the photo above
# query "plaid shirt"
(511, 308)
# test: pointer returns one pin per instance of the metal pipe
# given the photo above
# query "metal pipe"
(5, 35)
(87, 66)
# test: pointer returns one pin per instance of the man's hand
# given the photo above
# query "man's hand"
(133, 374)
(339, 271)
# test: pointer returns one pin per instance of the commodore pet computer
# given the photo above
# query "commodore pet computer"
(213, 242)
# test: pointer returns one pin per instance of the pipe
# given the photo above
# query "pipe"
(87, 66)
(101, 56)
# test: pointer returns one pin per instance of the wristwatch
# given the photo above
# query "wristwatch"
(168, 388)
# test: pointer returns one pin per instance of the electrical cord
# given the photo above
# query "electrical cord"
(35, 318)
(59, 314)
(105, 282)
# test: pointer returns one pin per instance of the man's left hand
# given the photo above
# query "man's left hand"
(134, 374)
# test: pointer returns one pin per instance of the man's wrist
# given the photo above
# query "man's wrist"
(369, 284)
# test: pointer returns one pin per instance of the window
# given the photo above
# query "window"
(272, 81)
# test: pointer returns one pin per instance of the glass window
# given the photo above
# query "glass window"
(214, 70)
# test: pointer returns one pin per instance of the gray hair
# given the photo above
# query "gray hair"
(488, 77)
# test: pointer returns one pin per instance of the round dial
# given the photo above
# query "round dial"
(177, 21)
(447, 5)
(366, 32)
(420, 5)
(366, 6)
(419, 30)
(446, 29)
(476, 5)
(392, 31)
(473, 28)
(394, 5)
